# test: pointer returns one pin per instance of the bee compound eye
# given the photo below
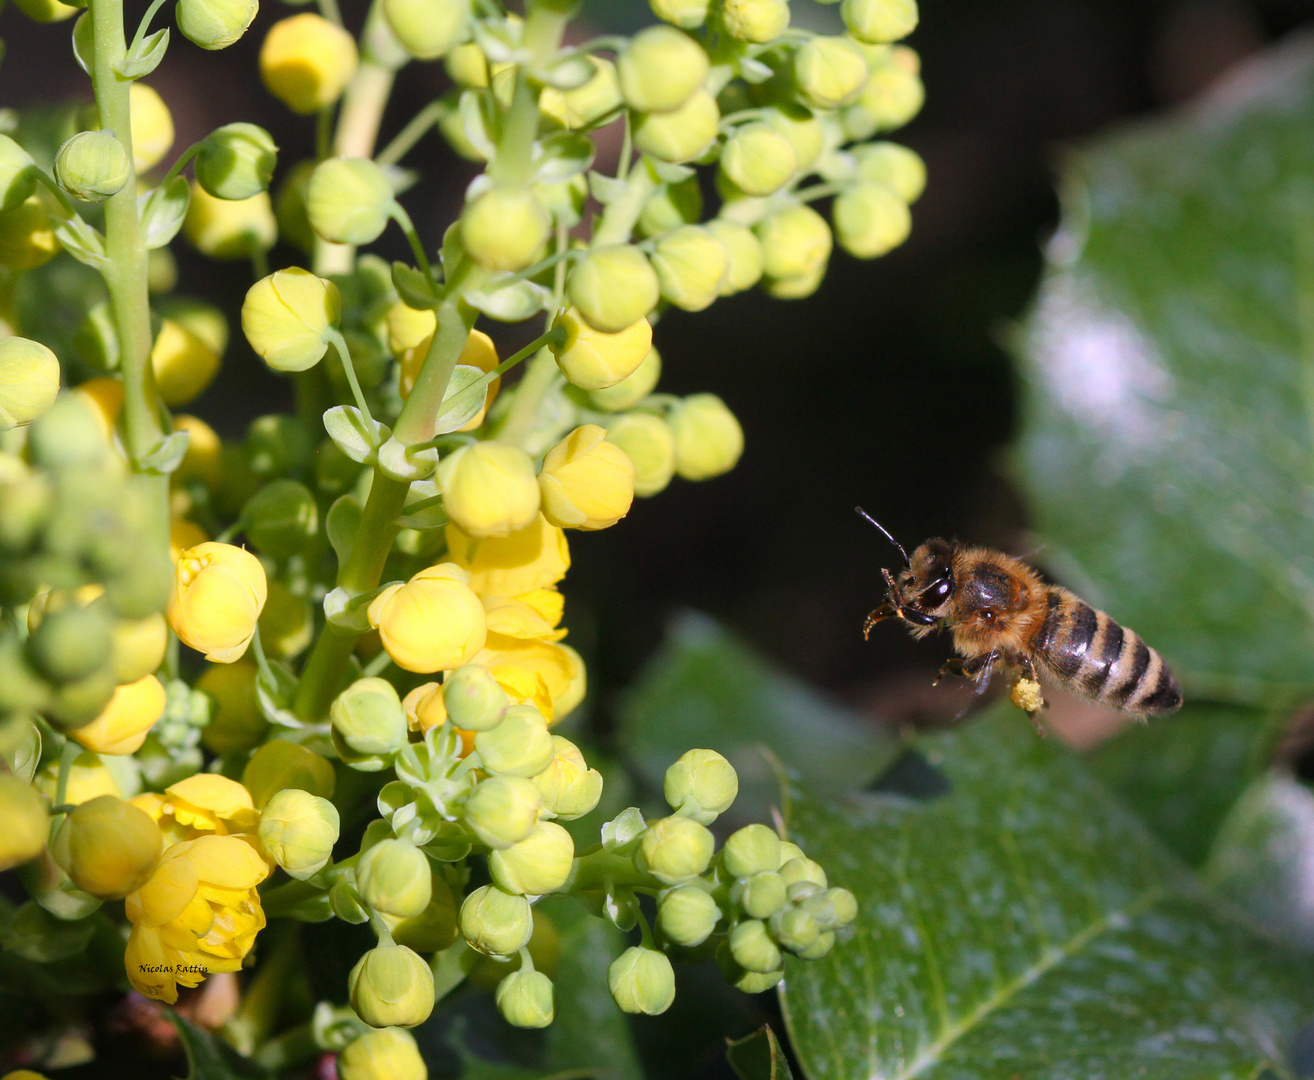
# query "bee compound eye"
(938, 591)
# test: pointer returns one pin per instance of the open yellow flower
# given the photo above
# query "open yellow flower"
(202, 805)
(432, 623)
(560, 667)
(533, 558)
(199, 913)
(218, 593)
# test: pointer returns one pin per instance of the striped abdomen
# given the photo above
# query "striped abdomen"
(1095, 657)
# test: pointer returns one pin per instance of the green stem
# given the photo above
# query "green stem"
(539, 379)
(627, 148)
(144, 26)
(66, 758)
(340, 343)
(601, 869)
(329, 10)
(324, 133)
(402, 218)
(819, 191)
(262, 661)
(620, 217)
(251, 1024)
(412, 133)
(449, 968)
(181, 163)
(363, 103)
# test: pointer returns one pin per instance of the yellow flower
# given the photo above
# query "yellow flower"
(152, 127)
(203, 449)
(230, 228)
(237, 723)
(587, 483)
(559, 665)
(306, 62)
(184, 534)
(524, 616)
(286, 316)
(424, 707)
(414, 335)
(533, 558)
(122, 727)
(29, 381)
(593, 360)
(218, 593)
(201, 805)
(108, 847)
(27, 237)
(432, 623)
(88, 778)
(104, 396)
(184, 365)
(524, 686)
(198, 914)
(489, 488)
(26, 822)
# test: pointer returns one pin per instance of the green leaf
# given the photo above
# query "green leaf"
(453, 419)
(81, 240)
(1182, 774)
(478, 115)
(510, 303)
(167, 455)
(355, 435)
(414, 288)
(758, 1057)
(210, 1058)
(163, 210)
(145, 58)
(342, 523)
(1025, 924)
(1168, 439)
(706, 689)
(562, 155)
(84, 42)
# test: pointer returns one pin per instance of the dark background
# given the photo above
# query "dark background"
(891, 387)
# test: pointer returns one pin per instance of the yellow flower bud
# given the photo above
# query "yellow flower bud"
(298, 830)
(642, 981)
(708, 438)
(795, 288)
(489, 488)
(829, 71)
(121, 728)
(518, 746)
(762, 894)
(878, 22)
(393, 877)
(675, 849)
(496, 923)
(534, 558)
(306, 62)
(280, 764)
(204, 320)
(348, 200)
(504, 228)
(795, 243)
(89, 777)
(744, 251)
(26, 822)
(585, 104)
(681, 134)
(538, 864)
(473, 699)
(108, 847)
(29, 381)
(686, 14)
(613, 287)
(432, 623)
(390, 986)
(649, 444)
(870, 220)
(701, 785)
(478, 351)
(570, 789)
(434, 928)
(290, 207)
(218, 593)
(382, 1054)
(758, 21)
(201, 461)
(17, 169)
(424, 707)
(184, 365)
(692, 265)
(137, 646)
(47, 11)
(428, 29)
(236, 723)
(92, 166)
(214, 24)
(502, 810)
(660, 68)
(286, 315)
(286, 624)
(467, 66)
(758, 159)
(27, 239)
(408, 328)
(587, 482)
(753, 849)
(895, 166)
(525, 999)
(594, 360)
(152, 126)
(687, 915)
(632, 389)
(892, 96)
(230, 228)
(235, 161)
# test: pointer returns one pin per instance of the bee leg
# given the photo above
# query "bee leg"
(1025, 693)
(981, 668)
(955, 666)
(885, 611)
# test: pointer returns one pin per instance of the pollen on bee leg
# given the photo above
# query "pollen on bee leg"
(1026, 695)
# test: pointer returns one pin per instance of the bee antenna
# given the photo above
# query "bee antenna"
(886, 533)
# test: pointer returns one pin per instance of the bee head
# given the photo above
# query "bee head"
(922, 591)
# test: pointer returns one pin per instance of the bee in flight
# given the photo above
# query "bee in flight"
(1002, 616)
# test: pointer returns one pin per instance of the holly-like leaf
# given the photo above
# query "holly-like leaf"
(1023, 923)
(210, 1058)
(163, 210)
(1167, 444)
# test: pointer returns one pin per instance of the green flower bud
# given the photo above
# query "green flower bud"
(758, 21)
(281, 518)
(671, 206)
(691, 266)
(286, 315)
(870, 220)
(75, 704)
(660, 68)
(675, 849)
(473, 699)
(745, 251)
(275, 445)
(585, 104)
(348, 200)
(687, 915)
(877, 22)
(753, 948)
(428, 29)
(390, 986)
(650, 445)
(892, 96)
(613, 287)
(29, 384)
(495, 922)
(434, 928)
(538, 864)
(236, 161)
(386, 1054)
(290, 207)
(750, 982)
(26, 822)
(761, 896)
(394, 877)
(642, 981)
(708, 438)
(519, 746)
(795, 243)
(281, 764)
(71, 644)
(467, 66)
(108, 847)
(570, 789)
(524, 998)
(681, 134)
(298, 830)
(819, 948)
(503, 810)
(752, 850)
(794, 928)
(92, 166)
(17, 180)
(758, 159)
(701, 785)
(686, 14)
(369, 724)
(215, 24)
(803, 870)
(802, 129)
(895, 166)
(829, 71)
(25, 506)
(504, 228)
(830, 909)
(632, 389)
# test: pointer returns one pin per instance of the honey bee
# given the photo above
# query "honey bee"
(1004, 617)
